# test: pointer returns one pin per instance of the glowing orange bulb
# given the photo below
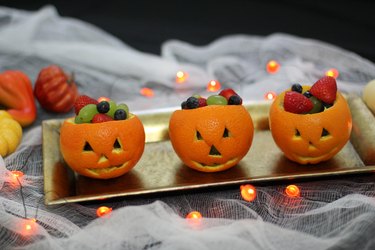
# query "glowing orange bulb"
(270, 95)
(181, 76)
(147, 92)
(28, 226)
(15, 177)
(272, 67)
(103, 98)
(195, 215)
(332, 72)
(248, 192)
(101, 211)
(16, 173)
(292, 191)
(213, 86)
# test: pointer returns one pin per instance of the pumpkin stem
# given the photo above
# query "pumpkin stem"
(71, 78)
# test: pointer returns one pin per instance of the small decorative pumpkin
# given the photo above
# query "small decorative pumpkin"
(311, 138)
(102, 150)
(55, 90)
(10, 134)
(211, 138)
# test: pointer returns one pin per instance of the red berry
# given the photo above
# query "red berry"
(325, 89)
(101, 118)
(297, 103)
(82, 101)
(227, 93)
(202, 102)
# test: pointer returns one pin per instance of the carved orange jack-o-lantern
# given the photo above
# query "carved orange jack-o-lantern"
(311, 138)
(102, 150)
(211, 138)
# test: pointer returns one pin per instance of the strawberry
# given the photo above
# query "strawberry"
(202, 102)
(101, 118)
(325, 89)
(227, 93)
(297, 103)
(82, 101)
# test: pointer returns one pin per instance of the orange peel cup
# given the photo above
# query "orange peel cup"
(102, 150)
(310, 138)
(211, 138)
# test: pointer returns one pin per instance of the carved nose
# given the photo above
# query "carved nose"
(214, 151)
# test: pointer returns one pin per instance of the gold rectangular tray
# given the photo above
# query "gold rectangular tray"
(160, 170)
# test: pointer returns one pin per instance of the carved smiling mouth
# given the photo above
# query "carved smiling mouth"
(99, 171)
(214, 165)
(310, 159)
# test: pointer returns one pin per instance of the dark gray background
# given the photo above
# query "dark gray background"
(145, 25)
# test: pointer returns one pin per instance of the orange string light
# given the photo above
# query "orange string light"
(194, 219)
(17, 173)
(181, 76)
(270, 95)
(332, 72)
(195, 215)
(15, 177)
(103, 210)
(103, 98)
(272, 66)
(248, 192)
(28, 227)
(292, 191)
(213, 86)
(147, 92)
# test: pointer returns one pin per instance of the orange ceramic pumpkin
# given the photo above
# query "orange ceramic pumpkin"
(102, 150)
(311, 138)
(211, 138)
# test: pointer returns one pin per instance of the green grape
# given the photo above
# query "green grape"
(216, 100)
(124, 107)
(318, 106)
(86, 114)
(112, 108)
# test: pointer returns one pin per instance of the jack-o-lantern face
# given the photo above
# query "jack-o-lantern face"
(311, 138)
(102, 150)
(212, 138)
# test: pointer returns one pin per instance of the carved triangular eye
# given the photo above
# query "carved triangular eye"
(324, 132)
(199, 136)
(297, 133)
(87, 147)
(116, 144)
(226, 133)
(214, 151)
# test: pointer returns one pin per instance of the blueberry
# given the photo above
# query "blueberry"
(235, 100)
(307, 94)
(103, 107)
(327, 105)
(297, 87)
(183, 105)
(120, 114)
(192, 102)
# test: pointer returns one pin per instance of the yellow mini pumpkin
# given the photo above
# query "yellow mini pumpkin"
(10, 134)
(311, 138)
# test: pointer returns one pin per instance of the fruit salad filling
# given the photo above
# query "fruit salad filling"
(225, 97)
(89, 110)
(321, 96)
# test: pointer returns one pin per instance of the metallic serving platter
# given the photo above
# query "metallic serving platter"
(160, 170)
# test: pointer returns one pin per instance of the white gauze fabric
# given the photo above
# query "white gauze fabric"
(332, 213)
